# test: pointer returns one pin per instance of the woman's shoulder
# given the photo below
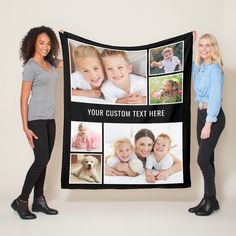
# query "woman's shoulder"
(29, 69)
(30, 65)
(215, 68)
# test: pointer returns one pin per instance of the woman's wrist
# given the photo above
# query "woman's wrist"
(25, 128)
(208, 124)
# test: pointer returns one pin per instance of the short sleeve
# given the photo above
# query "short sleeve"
(177, 60)
(28, 73)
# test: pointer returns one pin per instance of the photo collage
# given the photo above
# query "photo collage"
(126, 153)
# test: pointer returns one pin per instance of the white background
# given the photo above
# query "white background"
(122, 23)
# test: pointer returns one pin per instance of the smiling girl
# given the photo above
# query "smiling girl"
(89, 75)
(123, 156)
(161, 163)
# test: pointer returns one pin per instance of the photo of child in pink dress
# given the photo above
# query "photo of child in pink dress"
(85, 138)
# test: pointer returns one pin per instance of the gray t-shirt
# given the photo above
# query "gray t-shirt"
(42, 102)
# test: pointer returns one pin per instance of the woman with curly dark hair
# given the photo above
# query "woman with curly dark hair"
(39, 50)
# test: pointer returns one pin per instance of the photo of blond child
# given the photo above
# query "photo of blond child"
(161, 163)
(121, 86)
(104, 76)
(167, 59)
(124, 158)
(88, 76)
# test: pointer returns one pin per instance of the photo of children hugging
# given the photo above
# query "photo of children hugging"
(167, 59)
(166, 89)
(104, 76)
(124, 158)
(86, 136)
(160, 163)
(88, 75)
(85, 169)
(121, 86)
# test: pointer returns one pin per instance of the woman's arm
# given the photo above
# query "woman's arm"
(194, 36)
(60, 64)
(25, 93)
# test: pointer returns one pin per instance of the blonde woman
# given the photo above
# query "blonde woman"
(208, 82)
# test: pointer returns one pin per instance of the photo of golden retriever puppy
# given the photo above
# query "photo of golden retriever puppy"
(87, 169)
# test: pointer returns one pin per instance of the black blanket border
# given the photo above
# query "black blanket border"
(182, 110)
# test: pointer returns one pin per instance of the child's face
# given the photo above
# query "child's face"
(168, 55)
(117, 69)
(124, 152)
(82, 131)
(166, 87)
(205, 50)
(161, 147)
(92, 70)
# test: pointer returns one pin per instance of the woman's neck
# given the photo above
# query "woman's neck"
(207, 61)
(39, 59)
(141, 157)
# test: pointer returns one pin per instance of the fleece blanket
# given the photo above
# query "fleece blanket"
(126, 114)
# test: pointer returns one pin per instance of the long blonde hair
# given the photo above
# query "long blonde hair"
(216, 56)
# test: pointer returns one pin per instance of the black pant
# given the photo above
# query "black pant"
(206, 150)
(45, 130)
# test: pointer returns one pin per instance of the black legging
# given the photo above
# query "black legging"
(206, 150)
(45, 131)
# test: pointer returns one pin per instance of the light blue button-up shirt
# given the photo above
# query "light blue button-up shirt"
(208, 84)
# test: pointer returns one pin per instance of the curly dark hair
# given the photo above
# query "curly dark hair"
(27, 48)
